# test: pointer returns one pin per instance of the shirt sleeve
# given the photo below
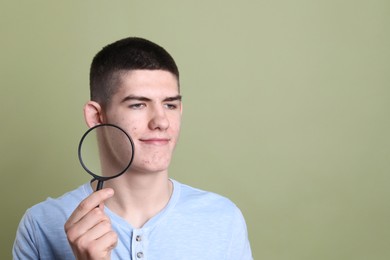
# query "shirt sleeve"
(25, 245)
(239, 245)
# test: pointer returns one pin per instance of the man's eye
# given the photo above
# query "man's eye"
(170, 106)
(137, 106)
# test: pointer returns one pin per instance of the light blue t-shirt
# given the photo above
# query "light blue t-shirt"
(194, 225)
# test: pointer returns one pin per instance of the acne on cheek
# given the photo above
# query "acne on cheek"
(145, 161)
(155, 159)
(134, 130)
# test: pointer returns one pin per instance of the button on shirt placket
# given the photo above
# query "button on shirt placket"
(138, 245)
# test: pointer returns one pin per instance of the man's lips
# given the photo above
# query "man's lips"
(155, 141)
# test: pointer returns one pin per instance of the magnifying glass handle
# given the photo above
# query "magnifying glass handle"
(99, 185)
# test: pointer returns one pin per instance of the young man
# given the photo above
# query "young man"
(143, 214)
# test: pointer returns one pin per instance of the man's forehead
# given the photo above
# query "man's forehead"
(148, 80)
(145, 74)
(147, 84)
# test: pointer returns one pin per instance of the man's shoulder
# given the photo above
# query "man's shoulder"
(199, 199)
(41, 230)
(63, 205)
(206, 216)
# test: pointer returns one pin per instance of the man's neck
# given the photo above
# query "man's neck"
(139, 197)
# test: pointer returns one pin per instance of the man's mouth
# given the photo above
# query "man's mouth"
(155, 141)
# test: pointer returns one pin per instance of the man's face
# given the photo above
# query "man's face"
(148, 107)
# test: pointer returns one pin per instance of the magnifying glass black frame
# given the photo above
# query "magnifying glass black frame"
(99, 178)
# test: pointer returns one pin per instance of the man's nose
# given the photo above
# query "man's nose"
(159, 120)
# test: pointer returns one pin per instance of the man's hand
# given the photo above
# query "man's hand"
(89, 229)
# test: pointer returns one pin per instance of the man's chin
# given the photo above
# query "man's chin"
(150, 168)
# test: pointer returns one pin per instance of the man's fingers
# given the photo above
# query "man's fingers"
(89, 230)
(88, 204)
(90, 221)
(96, 233)
(101, 247)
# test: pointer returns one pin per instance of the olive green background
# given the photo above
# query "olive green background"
(286, 111)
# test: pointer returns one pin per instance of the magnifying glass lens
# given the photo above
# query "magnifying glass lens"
(106, 151)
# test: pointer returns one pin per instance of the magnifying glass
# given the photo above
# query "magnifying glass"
(105, 151)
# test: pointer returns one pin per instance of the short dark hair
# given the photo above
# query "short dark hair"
(131, 53)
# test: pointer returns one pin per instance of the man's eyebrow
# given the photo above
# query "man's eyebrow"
(175, 98)
(145, 99)
(138, 98)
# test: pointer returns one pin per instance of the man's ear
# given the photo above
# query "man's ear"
(93, 113)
